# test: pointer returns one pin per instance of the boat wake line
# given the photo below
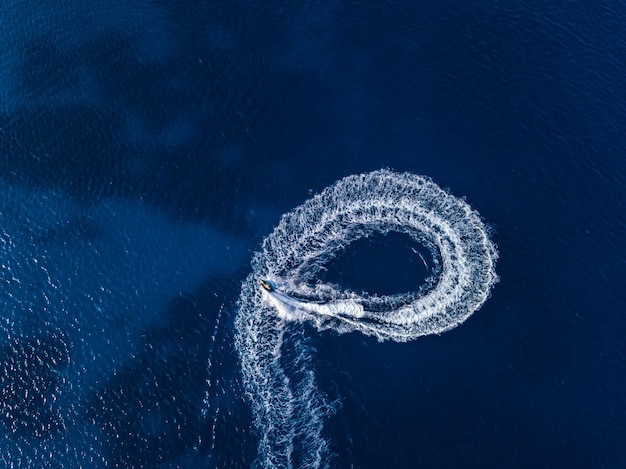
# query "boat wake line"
(282, 292)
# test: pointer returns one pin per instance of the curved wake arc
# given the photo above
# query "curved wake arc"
(282, 289)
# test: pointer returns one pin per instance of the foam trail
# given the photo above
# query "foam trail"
(288, 407)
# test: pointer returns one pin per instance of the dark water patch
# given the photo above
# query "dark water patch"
(207, 133)
(70, 147)
(43, 69)
(219, 121)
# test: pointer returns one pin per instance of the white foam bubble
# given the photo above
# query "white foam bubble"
(291, 259)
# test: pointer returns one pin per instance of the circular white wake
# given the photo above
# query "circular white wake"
(287, 406)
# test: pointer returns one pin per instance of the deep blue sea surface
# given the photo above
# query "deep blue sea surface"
(147, 147)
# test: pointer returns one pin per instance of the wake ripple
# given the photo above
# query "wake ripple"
(288, 408)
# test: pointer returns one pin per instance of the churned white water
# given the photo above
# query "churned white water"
(289, 410)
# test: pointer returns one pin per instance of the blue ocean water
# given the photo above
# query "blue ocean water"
(147, 148)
